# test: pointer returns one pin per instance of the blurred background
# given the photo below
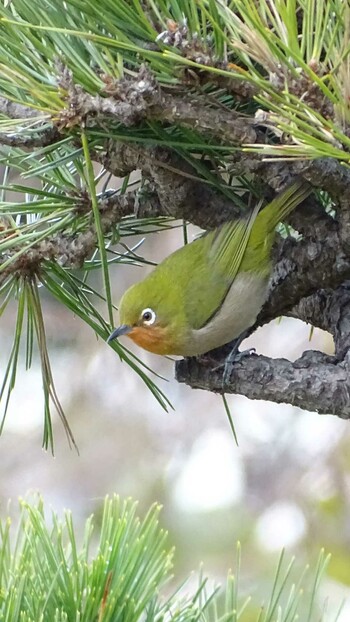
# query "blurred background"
(285, 485)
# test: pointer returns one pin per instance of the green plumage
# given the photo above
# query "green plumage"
(188, 288)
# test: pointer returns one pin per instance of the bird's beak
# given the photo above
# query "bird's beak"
(124, 329)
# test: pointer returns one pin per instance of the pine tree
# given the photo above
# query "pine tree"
(215, 104)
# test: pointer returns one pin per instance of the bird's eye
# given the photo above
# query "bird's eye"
(148, 316)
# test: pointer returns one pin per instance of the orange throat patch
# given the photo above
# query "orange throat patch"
(152, 338)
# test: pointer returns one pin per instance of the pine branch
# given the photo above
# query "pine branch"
(330, 310)
(45, 137)
(304, 268)
(15, 110)
(71, 250)
(132, 100)
(181, 192)
(315, 381)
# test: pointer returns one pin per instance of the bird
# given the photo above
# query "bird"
(210, 291)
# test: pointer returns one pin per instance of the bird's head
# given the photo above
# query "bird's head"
(148, 317)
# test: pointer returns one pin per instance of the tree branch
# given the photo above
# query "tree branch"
(47, 136)
(329, 310)
(13, 110)
(327, 174)
(315, 381)
(180, 192)
(130, 101)
(71, 250)
(305, 267)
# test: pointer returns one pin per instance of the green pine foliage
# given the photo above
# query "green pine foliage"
(282, 63)
(120, 570)
(300, 75)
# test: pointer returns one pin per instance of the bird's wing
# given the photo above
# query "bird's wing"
(229, 243)
(215, 262)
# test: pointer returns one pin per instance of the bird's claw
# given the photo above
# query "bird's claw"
(234, 357)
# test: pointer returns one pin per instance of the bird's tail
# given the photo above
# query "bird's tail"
(263, 232)
(285, 203)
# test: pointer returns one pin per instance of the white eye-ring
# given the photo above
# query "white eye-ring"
(148, 317)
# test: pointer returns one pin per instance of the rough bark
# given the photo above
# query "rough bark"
(314, 381)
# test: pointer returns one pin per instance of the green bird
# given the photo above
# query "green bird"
(210, 291)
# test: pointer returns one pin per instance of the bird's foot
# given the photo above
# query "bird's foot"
(234, 357)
